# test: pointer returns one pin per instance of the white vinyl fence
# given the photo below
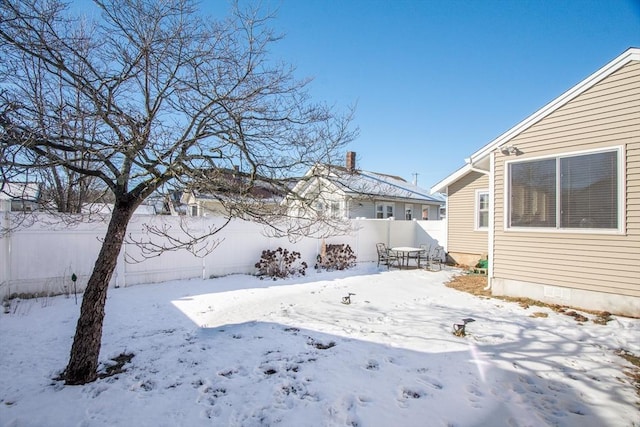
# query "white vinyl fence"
(42, 258)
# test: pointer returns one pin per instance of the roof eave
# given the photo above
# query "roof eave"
(480, 157)
(631, 54)
(441, 187)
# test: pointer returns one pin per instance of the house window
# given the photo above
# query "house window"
(335, 210)
(482, 209)
(328, 209)
(408, 212)
(384, 210)
(194, 210)
(566, 192)
(425, 213)
(321, 209)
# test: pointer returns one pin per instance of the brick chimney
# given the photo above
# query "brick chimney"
(351, 161)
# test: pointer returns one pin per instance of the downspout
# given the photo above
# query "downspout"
(491, 217)
(491, 220)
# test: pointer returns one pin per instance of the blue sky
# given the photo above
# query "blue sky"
(436, 80)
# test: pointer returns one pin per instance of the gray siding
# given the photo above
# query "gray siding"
(366, 208)
(361, 209)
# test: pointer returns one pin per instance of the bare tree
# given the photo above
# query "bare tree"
(150, 95)
(64, 190)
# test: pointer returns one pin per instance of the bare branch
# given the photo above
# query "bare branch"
(157, 239)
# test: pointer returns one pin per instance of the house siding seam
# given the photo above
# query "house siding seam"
(464, 241)
(605, 116)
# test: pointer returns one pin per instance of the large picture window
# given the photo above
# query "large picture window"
(577, 191)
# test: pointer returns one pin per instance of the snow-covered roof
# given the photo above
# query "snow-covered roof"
(107, 209)
(229, 184)
(19, 191)
(361, 182)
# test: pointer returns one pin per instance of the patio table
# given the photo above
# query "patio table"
(405, 252)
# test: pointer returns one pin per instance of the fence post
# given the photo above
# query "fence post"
(204, 258)
(5, 279)
(121, 272)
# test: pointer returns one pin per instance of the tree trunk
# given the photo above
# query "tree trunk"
(83, 362)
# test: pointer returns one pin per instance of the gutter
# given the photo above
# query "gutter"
(474, 168)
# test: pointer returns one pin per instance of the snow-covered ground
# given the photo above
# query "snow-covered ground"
(238, 351)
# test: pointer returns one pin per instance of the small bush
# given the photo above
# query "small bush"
(335, 257)
(280, 264)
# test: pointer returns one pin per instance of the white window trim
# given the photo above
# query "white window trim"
(476, 216)
(422, 208)
(408, 207)
(384, 209)
(335, 209)
(622, 202)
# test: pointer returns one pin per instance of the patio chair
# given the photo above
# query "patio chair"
(386, 256)
(438, 256)
(421, 256)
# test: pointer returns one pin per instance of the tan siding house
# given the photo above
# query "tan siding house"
(467, 241)
(565, 196)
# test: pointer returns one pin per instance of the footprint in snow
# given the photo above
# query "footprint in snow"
(473, 390)
(577, 408)
(410, 393)
(364, 400)
(372, 365)
(474, 395)
(430, 381)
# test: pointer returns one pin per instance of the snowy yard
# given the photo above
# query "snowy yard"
(238, 351)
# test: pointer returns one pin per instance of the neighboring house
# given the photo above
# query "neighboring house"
(148, 207)
(555, 201)
(19, 196)
(348, 192)
(231, 187)
(27, 197)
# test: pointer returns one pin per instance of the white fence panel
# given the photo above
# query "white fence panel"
(42, 258)
(134, 268)
(402, 233)
(432, 233)
(370, 232)
(239, 248)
